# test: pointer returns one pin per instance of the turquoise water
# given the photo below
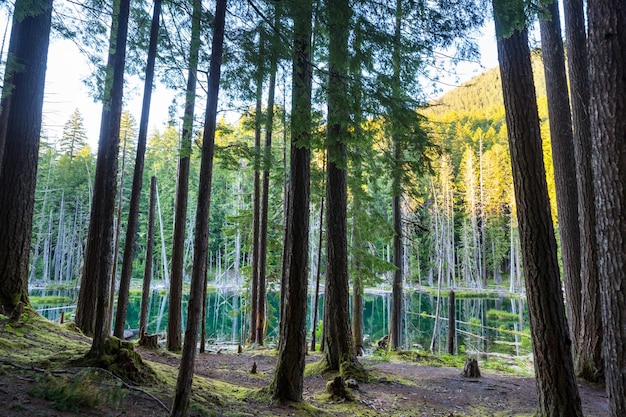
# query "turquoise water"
(476, 331)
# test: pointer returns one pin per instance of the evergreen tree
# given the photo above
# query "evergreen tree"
(588, 354)
(607, 66)
(556, 384)
(288, 376)
(93, 300)
(74, 137)
(19, 146)
(201, 242)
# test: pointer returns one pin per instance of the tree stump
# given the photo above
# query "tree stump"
(150, 341)
(253, 370)
(471, 369)
(337, 389)
(383, 342)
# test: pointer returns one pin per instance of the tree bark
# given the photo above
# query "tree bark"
(588, 354)
(201, 241)
(135, 197)
(265, 183)
(174, 313)
(317, 276)
(607, 66)
(556, 385)
(93, 298)
(254, 309)
(338, 341)
(147, 271)
(289, 374)
(562, 141)
(28, 48)
(395, 327)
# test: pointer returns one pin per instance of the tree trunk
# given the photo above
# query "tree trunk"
(588, 354)
(338, 341)
(556, 385)
(174, 315)
(201, 243)
(289, 374)
(607, 66)
(562, 140)
(135, 197)
(254, 309)
(396, 205)
(318, 274)
(147, 271)
(29, 42)
(265, 183)
(93, 298)
(451, 323)
(116, 239)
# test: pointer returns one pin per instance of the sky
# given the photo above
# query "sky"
(65, 90)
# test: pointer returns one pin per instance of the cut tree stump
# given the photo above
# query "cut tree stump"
(337, 389)
(471, 369)
(150, 341)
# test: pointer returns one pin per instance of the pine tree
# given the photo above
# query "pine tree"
(74, 137)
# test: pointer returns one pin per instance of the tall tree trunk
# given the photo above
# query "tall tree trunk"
(554, 371)
(147, 270)
(116, 238)
(174, 313)
(93, 298)
(28, 48)
(338, 341)
(289, 374)
(562, 140)
(265, 183)
(135, 197)
(396, 203)
(318, 273)
(607, 66)
(254, 309)
(588, 355)
(201, 243)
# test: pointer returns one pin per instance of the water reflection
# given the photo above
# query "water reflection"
(483, 325)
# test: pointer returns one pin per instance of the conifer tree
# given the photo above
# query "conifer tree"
(19, 145)
(74, 137)
(607, 66)
(557, 391)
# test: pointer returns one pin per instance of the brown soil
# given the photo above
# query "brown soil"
(396, 388)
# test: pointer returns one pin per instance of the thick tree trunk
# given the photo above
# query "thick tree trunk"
(607, 66)
(18, 170)
(338, 341)
(147, 271)
(174, 313)
(288, 376)
(93, 298)
(562, 140)
(201, 242)
(556, 385)
(135, 197)
(588, 354)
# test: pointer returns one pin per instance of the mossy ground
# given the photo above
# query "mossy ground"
(39, 375)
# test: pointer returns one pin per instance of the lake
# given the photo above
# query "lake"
(494, 325)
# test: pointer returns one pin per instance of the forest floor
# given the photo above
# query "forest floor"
(41, 374)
